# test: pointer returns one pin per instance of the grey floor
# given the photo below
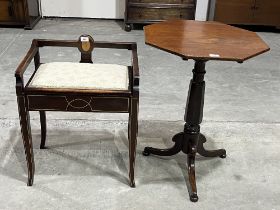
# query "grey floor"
(85, 166)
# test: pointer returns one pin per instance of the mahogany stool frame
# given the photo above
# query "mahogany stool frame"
(76, 100)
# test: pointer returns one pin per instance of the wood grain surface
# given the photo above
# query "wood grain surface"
(200, 40)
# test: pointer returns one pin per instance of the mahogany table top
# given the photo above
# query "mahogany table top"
(204, 40)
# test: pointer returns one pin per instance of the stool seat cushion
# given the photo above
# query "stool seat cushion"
(81, 76)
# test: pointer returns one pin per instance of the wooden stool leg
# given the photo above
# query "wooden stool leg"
(43, 129)
(27, 138)
(132, 135)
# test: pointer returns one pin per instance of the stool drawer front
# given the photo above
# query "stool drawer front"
(78, 104)
(159, 14)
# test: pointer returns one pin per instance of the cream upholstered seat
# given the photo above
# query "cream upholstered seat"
(81, 76)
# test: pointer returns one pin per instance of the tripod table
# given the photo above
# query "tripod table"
(201, 41)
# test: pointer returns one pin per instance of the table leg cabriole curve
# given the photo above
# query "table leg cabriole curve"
(191, 141)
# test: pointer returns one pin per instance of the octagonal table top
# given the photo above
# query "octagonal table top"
(204, 40)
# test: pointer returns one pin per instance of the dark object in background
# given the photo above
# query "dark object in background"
(151, 11)
(19, 13)
(257, 12)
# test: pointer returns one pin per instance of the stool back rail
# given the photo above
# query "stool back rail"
(76, 100)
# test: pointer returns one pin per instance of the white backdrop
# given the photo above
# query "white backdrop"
(201, 9)
(112, 9)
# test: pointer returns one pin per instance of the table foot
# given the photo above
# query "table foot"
(178, 139)
(194, 197)
(209, 153)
